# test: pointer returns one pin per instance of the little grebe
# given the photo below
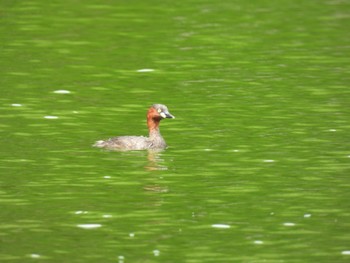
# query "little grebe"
(155, 114)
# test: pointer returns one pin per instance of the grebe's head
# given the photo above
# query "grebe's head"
(160, 110)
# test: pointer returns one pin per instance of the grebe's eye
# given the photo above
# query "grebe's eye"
(159, 110)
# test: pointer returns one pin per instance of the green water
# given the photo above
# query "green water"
(260, 143)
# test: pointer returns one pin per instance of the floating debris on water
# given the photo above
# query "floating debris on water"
(288, 224)
(269, 161)
(345, 252)
(258, 242)
(156, 252)
(16, 105)
(307, 215)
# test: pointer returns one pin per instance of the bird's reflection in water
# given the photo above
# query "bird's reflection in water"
(156, 188)
(155, 163)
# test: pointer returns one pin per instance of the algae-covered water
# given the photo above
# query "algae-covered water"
(257, 168)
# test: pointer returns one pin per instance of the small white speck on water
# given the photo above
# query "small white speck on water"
(307, 215)
(345, 252)
(269, 161)
(223, 226)
(288, 224)
(35, 256)
(208, 150)
(16, 105)
(61, 91)
(121, 259)
(258, 242)
(156, 252)
(107, 216)
(80, 212)
(132, 235)
(106, 177)
(332, 130)
(145, 70)
(233, 151)
(89, 226)
(51, 117)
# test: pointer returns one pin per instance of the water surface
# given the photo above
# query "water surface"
(258, 163)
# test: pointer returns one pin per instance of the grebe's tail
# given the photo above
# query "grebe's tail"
(99, 144)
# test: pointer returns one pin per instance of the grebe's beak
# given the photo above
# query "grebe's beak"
(167, 115)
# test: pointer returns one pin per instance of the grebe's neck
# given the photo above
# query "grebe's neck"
(153, 125)
(153, 121)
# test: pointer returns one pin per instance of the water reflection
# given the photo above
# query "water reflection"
(156, 188)
(155, 162)
(153, 158)
(149, 166)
